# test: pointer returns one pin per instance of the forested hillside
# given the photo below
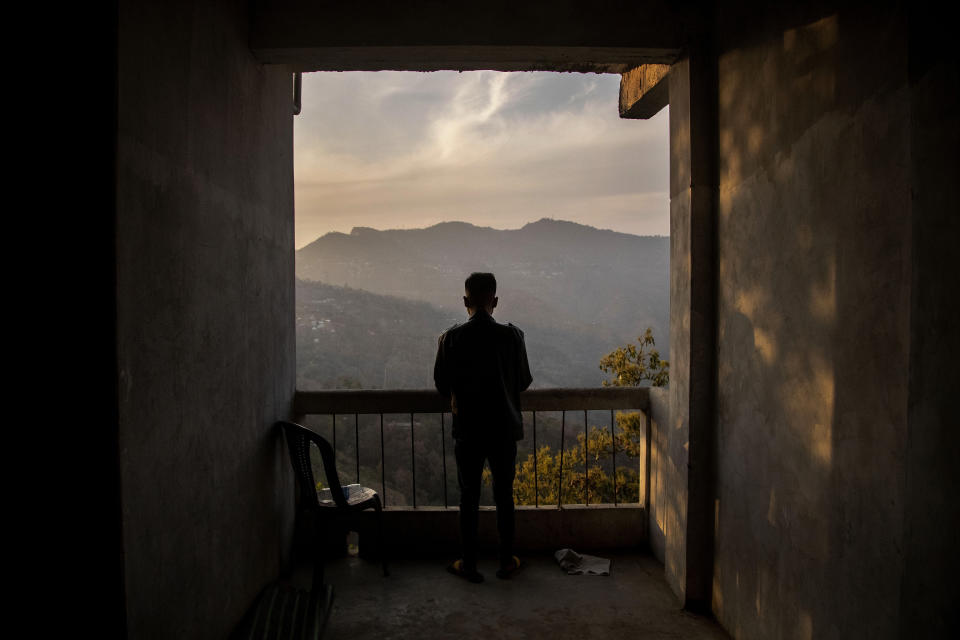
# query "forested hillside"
(348, 338)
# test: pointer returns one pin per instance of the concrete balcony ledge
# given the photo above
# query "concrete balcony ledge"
(372, 401)
(426, 530)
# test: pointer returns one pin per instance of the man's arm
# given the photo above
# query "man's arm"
(523, 367)
(441, 378)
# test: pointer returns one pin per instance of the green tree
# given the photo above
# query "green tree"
(635, 364)
(632, 365)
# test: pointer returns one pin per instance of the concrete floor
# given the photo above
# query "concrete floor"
(420, 600)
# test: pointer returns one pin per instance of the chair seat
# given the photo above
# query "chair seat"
(354, 493)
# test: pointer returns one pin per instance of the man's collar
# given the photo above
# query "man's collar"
(481, 316)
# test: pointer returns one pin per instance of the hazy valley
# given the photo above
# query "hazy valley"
(371, 304)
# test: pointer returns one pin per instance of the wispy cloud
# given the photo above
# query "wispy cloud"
(472, 116)
(412, 149)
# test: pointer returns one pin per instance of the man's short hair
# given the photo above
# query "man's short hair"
(480, 288)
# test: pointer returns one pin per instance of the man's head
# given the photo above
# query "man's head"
(481, 292)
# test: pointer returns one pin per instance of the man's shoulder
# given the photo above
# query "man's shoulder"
(450, 331)
(514, 329)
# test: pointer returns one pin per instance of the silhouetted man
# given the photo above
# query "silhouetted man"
(482, 367)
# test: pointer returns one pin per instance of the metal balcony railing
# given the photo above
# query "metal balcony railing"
(415, 402)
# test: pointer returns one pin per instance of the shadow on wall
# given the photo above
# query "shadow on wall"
(813, 316)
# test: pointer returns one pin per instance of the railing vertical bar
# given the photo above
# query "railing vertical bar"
(536, 480)
(443, 452)
(613, 444)
(356, 441)
(646, 461)
(413, 463)
(563, 427)
(334, 422)
(586, 460)
(383, 465)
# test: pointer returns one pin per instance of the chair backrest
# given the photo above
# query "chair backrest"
(298, 441)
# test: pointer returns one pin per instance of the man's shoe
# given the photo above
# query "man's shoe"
(457, 569)
(510, 570)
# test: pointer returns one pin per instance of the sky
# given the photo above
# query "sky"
(400, 150)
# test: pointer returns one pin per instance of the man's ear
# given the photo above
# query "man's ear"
(466, 302)
(494, 304)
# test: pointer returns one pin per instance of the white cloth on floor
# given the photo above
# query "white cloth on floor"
(576, 564)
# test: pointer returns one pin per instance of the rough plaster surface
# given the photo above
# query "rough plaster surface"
(205, 320)
(814, 263)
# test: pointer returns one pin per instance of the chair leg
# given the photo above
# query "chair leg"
(381, 543)
(318, 558)
(287, 571)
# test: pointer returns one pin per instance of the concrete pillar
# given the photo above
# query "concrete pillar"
(688, 465)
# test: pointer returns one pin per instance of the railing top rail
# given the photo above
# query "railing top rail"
(372, 401)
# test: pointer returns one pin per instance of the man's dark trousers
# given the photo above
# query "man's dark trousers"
(502, 456)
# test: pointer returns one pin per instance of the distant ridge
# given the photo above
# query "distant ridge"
(536, 225)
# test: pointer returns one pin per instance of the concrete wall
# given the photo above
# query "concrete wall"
(205, 315)
(814, 259)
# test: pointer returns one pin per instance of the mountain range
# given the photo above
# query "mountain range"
(576, 291)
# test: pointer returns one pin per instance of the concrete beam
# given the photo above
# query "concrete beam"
(605, 36)
(644, 91)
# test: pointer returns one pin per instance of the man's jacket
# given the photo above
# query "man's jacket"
(482, 367)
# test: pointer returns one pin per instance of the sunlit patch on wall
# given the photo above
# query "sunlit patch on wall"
(766, 345)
